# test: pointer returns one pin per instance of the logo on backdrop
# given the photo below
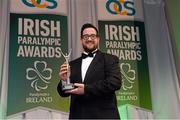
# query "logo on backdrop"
(128, 76)
(50, 4)
(40, 75)
(120, 7)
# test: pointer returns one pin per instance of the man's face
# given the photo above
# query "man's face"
(90, 40)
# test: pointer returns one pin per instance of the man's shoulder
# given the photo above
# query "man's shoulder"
(107, 55)
(77, 60)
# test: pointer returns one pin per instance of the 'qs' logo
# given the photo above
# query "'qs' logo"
(50, 4)
(40, 75)
(120, 7)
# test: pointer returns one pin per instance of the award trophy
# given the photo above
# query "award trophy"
(67, 85)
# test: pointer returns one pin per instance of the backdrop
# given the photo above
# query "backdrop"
(162, 72)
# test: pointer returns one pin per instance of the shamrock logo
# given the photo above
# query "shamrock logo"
(128, 76)
(39, 75)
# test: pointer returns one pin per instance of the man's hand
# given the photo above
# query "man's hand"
(79, 90)
(63, 71)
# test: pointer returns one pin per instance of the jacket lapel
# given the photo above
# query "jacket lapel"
(78, 71)
(92, 65)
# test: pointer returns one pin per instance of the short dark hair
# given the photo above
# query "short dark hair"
(88, 25)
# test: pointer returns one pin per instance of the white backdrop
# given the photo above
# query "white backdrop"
(164, 81)
(164, 84)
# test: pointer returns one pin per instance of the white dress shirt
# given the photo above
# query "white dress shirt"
(85, 65)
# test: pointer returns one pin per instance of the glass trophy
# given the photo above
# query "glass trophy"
(67, 85)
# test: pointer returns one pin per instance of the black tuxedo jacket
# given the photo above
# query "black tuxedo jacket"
(101, 81)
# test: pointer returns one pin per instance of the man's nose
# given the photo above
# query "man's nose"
(89, 38)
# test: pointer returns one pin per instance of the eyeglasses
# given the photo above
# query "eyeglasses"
(92, 36)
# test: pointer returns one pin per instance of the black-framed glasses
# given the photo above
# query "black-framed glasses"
(92, 36)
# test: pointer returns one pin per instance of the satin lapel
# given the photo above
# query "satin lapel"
(92, 65)
(78, 68)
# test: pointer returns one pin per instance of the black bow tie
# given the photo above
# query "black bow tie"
(87, 55)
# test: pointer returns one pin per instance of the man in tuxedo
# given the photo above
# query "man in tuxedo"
(96, 77)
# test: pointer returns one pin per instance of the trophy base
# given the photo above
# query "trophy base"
(68, 87)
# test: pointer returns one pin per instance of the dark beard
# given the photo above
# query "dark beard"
(89, 50)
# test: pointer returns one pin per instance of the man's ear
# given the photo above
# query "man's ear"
(81, 40)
